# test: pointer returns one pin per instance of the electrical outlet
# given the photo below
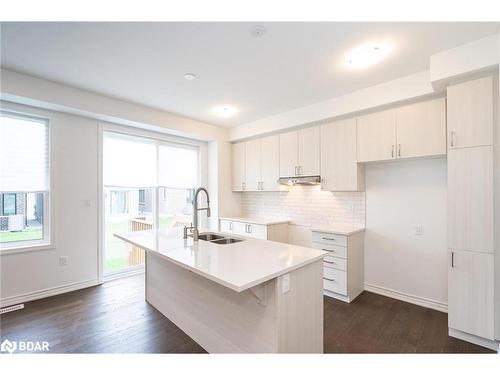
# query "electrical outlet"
(419, 230)
(63, 261)
(285, 283)
(87, 203)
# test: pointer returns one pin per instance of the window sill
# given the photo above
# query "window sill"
(26, 249)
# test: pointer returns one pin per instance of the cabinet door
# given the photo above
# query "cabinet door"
(252, 165)
(470, 113)
(257, 231)
(376, 136)
(240, 228)
(470, 199)
(339, 167)
(308, 151)
(226, 226)
(470, 293)
(270, 163)
(421, 129)
(288, 154)
(238, 166)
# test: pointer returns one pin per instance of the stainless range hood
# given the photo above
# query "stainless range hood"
(300, 180)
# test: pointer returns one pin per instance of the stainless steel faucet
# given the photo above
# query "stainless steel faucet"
(194, 227)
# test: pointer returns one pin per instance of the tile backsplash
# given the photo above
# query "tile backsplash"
(306, 206)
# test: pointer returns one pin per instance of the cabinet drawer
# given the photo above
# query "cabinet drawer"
(334, 239)
(335, 280)
(335, 262)
(337, 251)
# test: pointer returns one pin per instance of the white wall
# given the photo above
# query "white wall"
(75, 115)
(398, 196)
(74, 158)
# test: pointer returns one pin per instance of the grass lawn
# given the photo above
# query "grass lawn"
(116, 250)
(25, 235)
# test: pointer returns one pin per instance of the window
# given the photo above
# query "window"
(9, 204)
(148, 184)
(119, 202)
(24, 181)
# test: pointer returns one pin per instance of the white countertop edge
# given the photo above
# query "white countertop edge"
(342, 231)
(234, 287)
(255, 221)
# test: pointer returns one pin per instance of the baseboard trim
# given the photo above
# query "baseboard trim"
(490, 344)
(48, 292)
(416, 300)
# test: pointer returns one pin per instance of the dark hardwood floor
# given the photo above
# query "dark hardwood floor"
(114, 318)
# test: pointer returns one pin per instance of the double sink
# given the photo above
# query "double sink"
(217, 238)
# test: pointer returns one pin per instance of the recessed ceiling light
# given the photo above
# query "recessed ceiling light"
(225, 111)
(367, 55)
(258, 31)
(190, 76)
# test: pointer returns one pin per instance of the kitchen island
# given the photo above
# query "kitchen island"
(251, 296)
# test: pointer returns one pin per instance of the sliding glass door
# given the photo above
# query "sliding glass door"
(148, 184)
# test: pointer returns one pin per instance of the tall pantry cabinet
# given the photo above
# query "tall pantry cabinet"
(471, 224)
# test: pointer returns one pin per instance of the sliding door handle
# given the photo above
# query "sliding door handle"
(452, 259)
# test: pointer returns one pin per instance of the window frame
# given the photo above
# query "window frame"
(160, 139)
(47, 242)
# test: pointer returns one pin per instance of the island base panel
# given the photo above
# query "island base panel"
(258, 320)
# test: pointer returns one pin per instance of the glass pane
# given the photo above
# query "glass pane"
(129, 161)
(178, 167)
(23, 153)
(126, 209)
(175, 207)
(21, 217)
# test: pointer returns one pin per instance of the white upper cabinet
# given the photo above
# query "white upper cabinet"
(470, 199)
(470, 113)
(252, 165)
(270, 163)
(376, 136)
(238, 166)
(421, 129)
(299, 153)
(288, 154)
(339, 168)
(410, 131)
(308, 152)
(256, 165)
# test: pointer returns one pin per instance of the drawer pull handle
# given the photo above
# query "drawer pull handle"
(327, 261)
(329, 239)
(333, 251)
(326, 278)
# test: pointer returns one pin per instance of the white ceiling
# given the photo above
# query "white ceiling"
(292, 65)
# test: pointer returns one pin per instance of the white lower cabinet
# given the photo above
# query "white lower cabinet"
(343, 267)
(470, 293)
(272, 232)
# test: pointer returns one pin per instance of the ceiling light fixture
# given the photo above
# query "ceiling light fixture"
(225, 111)
(367, 55)
(190, 76)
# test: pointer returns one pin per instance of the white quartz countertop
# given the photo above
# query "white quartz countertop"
(253, 220)
(238, 266)
(343, 229)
